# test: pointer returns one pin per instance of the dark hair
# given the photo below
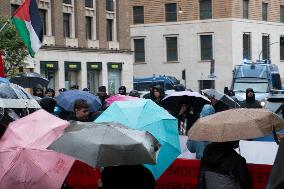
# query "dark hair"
(75, 87)
(80, 103)
(62, 90)
(122, 88)
(48, 104)
(86, 89)
(134, 93)
(102, 89)
(50, 90)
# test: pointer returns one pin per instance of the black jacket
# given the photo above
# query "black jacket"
(220, 106)
(221, 158)
(250, 102)
(127, 177)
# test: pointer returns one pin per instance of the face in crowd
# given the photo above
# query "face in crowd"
(82, 113)
(157, 93)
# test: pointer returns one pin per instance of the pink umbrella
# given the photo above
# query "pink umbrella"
(118, 97)
(24, 160)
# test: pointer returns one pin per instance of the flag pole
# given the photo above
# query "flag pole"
(4, 25)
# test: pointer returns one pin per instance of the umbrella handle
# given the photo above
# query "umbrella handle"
(274, 135)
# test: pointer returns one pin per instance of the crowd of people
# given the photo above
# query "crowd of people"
(221, 165)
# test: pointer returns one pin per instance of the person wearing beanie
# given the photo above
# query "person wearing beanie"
(50, 93)
(122, 90)
(250, 101)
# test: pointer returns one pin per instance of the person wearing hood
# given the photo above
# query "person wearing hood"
(102, 94)
(250, 101)
(122, 90)
(159, 94)
(199, 146)
(50, 93)
(223, 168)
(150, 95)
(38, 91)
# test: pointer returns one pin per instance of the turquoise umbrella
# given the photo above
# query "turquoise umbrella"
(145, 115)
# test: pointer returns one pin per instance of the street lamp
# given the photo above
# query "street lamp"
(269, 46)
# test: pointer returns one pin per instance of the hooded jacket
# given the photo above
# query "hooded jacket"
(250, 102)
(197, 146)
(162, 95)
(224, 168)
(38, 87)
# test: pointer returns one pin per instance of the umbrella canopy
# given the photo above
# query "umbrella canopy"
(67, 99)
(24, 160)
(4, 80)
(107, 144)
(14, 96)
(276, 179)
(145, 115)
(118, 97)
(29, 80)
(221, 97)
(235, 124)
(174, 101)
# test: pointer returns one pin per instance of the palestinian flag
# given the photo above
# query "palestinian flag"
(28, 23)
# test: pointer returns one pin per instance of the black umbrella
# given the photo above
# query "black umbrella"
(29, 80)
(174, 101)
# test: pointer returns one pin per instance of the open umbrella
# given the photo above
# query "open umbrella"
(107, 144)
(174, 101)
(4, 80)
(24, 160)
(118, 97)
(221, 97)
(67, 99)
(14, 96)
(145, 115)
(29, 80)
(235, 124)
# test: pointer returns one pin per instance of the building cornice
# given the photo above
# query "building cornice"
(62, 48)
(206, 21)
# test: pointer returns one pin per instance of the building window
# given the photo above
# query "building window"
(265, 47)
(282, 14)
(89, 25)
(89, 3)
(67, 2)
(205, 9)
(282, 48)
(14, 7)
(171, 12)
(43, 13)
(245, 9)
(264, 11)
(109, 30)
(139, 50)
(109, 5)
(206, 47)
(172, 49)
(206, 84)
(246, 46)
(138, 15)
(66, 24)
